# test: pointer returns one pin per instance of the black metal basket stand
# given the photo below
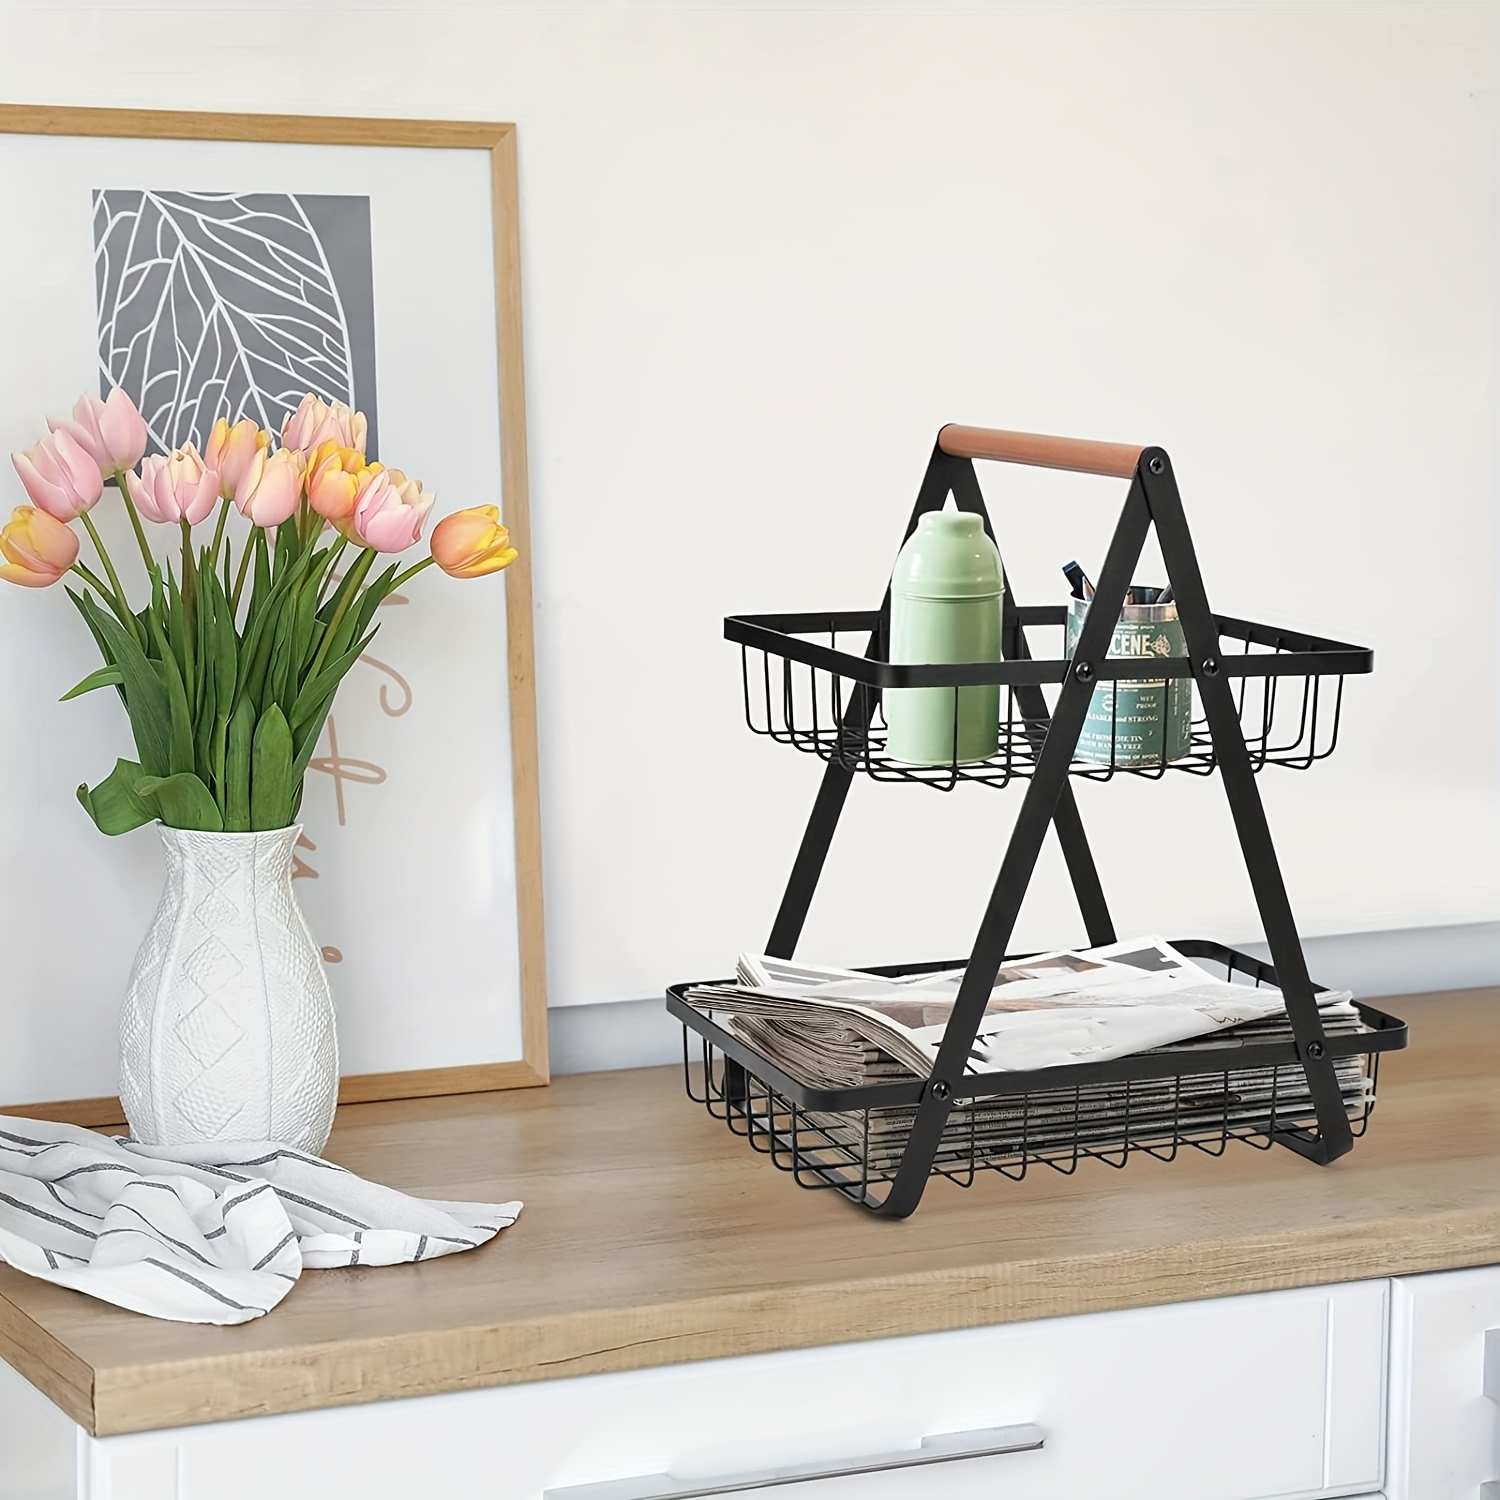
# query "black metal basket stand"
(1266, 697)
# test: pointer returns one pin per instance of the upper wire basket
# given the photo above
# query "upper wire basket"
(810, 682)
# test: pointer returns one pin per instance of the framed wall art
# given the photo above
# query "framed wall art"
(222, 265)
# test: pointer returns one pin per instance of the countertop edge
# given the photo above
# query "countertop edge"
(60, 1375)
(128, 1399)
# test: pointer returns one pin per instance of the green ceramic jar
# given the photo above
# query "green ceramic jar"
(945, 607)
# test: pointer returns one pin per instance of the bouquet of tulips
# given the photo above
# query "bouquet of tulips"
(229, 668)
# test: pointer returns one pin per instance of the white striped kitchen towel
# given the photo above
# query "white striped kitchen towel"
(216, 1233)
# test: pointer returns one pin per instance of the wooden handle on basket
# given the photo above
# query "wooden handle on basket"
(1034, 448)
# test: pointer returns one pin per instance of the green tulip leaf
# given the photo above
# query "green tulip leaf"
(224, 649)
(84, 602)
(103, 677)
(316, 689)
(241, 734)
(304, 625)
(372, 598)
(203, 732)
(179, 711)
(271, 783)
(279, 675)
(114, 804)
(145, 696)
(183, 801)
(255, 654)
(308, 737)
(178, 642)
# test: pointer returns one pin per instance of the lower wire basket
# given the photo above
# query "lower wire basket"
(1240, 1085)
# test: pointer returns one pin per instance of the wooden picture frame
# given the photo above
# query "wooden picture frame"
(498, 141)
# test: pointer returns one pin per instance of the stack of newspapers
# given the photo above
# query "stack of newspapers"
(839, 1028)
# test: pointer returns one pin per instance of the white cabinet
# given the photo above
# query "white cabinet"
(1445, 1431)
(1275, 1395)
(39, 1446)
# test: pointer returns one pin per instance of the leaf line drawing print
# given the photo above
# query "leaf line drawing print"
(233, 305)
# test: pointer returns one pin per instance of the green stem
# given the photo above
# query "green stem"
(329, 578)
(309, 524)
(410, 573)
(135, 521)
(213, 551)
(189, 611)
(357, 574)
(239, 582)
(114, 578)
(189, 580)
(120, 612)
(95, 582)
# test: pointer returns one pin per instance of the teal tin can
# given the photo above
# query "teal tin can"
(945, 607)
(1144, 722)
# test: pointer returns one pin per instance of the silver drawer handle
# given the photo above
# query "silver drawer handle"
(945, 1447)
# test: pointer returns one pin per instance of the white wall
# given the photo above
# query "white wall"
(769, 249)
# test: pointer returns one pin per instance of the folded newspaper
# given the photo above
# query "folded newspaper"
(838, 1028)
(841, 1028)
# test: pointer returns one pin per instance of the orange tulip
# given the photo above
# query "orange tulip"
(38, 548)
(471, 543)
(333, 474)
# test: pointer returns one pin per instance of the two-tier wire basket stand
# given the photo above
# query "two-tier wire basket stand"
(1265, 696)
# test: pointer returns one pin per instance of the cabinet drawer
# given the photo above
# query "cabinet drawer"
(1274, 1395)
(1445, 1431)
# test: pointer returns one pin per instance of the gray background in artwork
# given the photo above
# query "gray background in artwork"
(343, 225)
(233, 305)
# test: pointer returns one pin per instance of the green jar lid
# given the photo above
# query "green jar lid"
(948, 556)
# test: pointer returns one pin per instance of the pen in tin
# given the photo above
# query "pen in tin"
(1078, 581)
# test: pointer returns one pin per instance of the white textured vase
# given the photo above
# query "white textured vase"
(227, 1032)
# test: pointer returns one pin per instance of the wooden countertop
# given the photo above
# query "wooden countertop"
(652, 1236)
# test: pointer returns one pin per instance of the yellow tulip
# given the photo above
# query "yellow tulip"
(38, 548)
(471, 543)
(232, 450)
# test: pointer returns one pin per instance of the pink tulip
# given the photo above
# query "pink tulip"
(389, 510)
(174, 487)
(315, 421)
(38, 549)
(112, 432)
(60, 476)
(272, 487)
(232, 450)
